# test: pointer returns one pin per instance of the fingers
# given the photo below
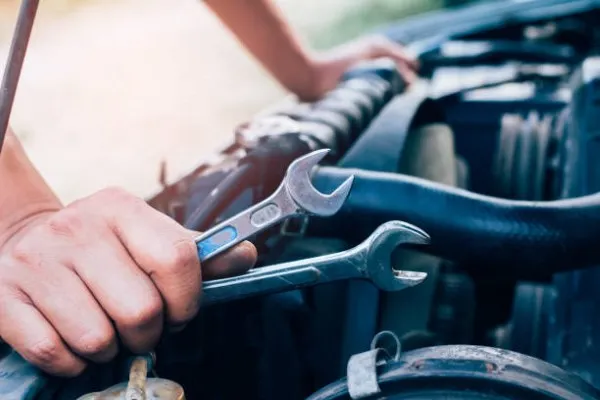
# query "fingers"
(167, 253)
(380, 46)
(386, 47)
(407, 74)
(26, 330)
(104, 268)
(233, 262)
(163, 249)
(109, 282)
(62, 297)
(127, 294)
(71, 309)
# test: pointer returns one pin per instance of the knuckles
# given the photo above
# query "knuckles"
(177, 259)
(66, 223)
(142, 316)
(33, 248)
(97, 342)
(182, 259)
(111, 196)
(70, 224)
(22, 254)
(111, 193)
(46, 354)
(114, 195)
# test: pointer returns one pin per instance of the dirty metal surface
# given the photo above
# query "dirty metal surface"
(155, 389)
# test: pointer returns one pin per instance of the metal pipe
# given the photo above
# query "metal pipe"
(136, 387)
(14, 62)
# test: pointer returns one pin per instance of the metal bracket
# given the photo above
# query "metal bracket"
(361, 370)
(303, 221)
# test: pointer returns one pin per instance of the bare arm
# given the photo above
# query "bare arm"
(78, 281)
(262, 29)
(23, 191)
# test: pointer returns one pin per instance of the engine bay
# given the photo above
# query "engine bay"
(521, 103)
(494, 153)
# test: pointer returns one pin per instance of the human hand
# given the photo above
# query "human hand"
(74, 279)
(329, 67)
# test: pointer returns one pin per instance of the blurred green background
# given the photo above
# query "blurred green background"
(354, 17)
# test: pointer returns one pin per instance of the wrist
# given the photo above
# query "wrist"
(325, 72)
(304, 79)
(324, 75)
(10, 228)
(24, 195)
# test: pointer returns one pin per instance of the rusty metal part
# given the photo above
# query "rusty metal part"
(14, 62)
(139, 386)
(136, 388)
(361, 371)
(155, 389)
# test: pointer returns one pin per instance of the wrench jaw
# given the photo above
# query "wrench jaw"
(295, 196)
(381, 245)
(310, 200)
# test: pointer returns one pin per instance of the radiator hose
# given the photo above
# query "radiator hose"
(526, 239)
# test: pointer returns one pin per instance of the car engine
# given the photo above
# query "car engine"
(508, 107)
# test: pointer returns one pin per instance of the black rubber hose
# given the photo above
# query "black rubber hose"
(525, 238)
(265, 166)
(366, 88)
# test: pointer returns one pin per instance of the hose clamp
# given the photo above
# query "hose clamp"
(361, 371)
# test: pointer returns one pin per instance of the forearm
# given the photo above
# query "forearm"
(261, 28)
(23, 191)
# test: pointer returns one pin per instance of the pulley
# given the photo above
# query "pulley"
(453, 372)
(520, 167)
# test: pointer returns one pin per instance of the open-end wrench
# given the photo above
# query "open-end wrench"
(295, 196)
(369, 260)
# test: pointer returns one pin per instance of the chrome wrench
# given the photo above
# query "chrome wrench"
(295, 196)
(370, 260)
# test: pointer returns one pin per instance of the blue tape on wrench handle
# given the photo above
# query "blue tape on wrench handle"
(216, 243)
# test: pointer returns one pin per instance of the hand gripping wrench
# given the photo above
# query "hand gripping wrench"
(369, 260)
(295, 196)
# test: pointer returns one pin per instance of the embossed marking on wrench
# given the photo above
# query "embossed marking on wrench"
(369, 260)
(295, 196)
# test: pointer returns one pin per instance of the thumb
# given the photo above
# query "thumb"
(384, 47)
(232, 262)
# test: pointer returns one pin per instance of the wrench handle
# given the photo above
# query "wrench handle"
(243, 225)
(237, 288)
(284, 277)
(222, 239)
